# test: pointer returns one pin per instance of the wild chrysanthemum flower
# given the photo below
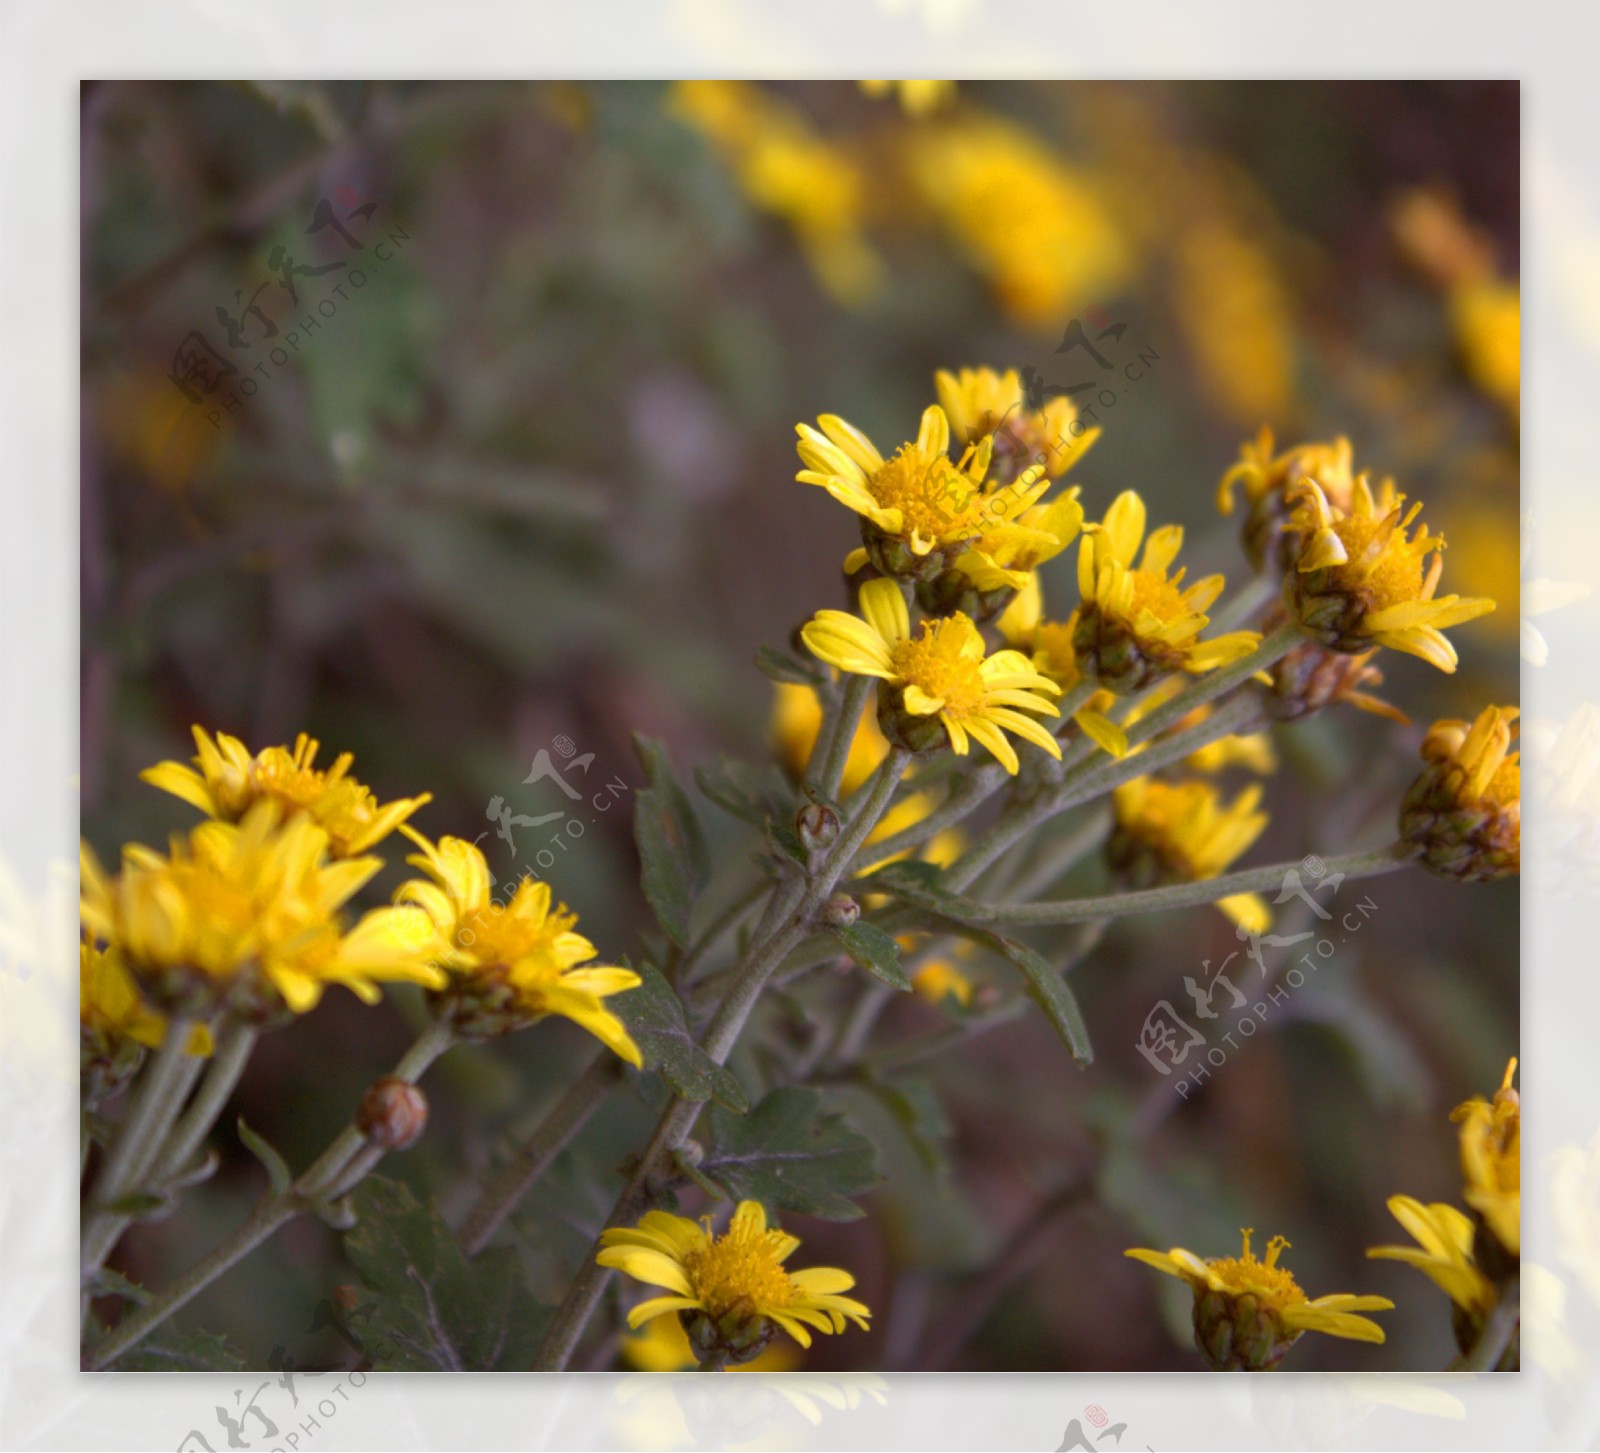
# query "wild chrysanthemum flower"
(1138, 623)
(1049, 645)
(982, 404)
(918, 509)
(511, 964)
(917, 98)
(784, 167)
(1184, 832)
(116, 1026)
(1465, 811)
(1004, 557)
(246, 918)
(1267, 478)
(796, 720)
(732, 1291)
(230, 781)
(941, 687)
(1249, 1313)
(1443, 1252)
(1360, 580)
(1491, 1160)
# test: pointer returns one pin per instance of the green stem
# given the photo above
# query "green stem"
(555, 1131)
(307, 1193)
(1261, 591)
(1388, 859)
(717, 928)
(227, 1065)
(162, 1090)
(961, 802)
(583, 1296)
(842, 734)
(1060, 858)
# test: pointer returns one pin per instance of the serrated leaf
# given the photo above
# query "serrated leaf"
(781, 666)
(654, 1016)
(874, 951)
(792, 1156)
(430, 1309)
(109, 1283)
(751, 794)
(277, 1169)
(672, 852)
(914, 1104)
(168, 1349)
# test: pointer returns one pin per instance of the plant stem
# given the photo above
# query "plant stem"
(1060, 858)
(1263, 590)
(841, 734)
(1388, 859)
(959, 803)
(566, 1118)
(161, 1093)
(227, 1065)
(573, 1315)
(308, 1192)
(715, 930)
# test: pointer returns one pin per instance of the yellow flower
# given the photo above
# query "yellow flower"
(796, 720)
(1249, 1313)
(511, 964)
(1183, 832)
(981, 403)
(1038, 230)
(1487, 315)
(1360, 581)
(917, 508)
(1491, 1160)
(246, 918)
(785, 168)
(939, 979)
(1137, 624)
(1049, 644)
(917, 98)
(1443, 1252)
(1004, 557)
(110, 1008)
(948, 688)
(1465, 810)
(735, 1285)
(1267, 478)
(230, 781)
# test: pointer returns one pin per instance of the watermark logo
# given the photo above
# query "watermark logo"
(1076, 1437)
(1166, 1038)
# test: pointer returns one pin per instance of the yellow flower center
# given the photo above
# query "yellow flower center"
(499, 933)
(742, 1266)
(1269, 1283)
(935, 500)
(1158, 595)
(1396, 575)
(944, 663)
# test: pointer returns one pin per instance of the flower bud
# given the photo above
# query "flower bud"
(1465, 811)
(740, 1334)
(840, 911)
(817, 826)
(393, 1114)
(1312, 677)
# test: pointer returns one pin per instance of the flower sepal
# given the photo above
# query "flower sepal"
(738, 1335)
(1240, 1332)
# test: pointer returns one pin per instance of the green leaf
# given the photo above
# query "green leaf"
(791, 1156)
(430, 1309)
(781, 666)
(874, 951)
(168, 1349)
(751, 794)
(1048, 990)
(277, 1170)
(654, 1016)
(914, 1104)
(672, 853)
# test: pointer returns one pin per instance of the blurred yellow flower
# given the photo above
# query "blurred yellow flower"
(917, 98)
(735, 1284)
(1138, 623)
(1249, 1313)
(1465, 809)
(246, 918)
(230, 781)
(785, 168)
(949, 689)
(1037, 229)
(1184, 832)
(796, 720)
(1443, 1252)
(511, 964)
(1359, 580)
(110, 1007)
(1491, 1160)
(1267, 478)
(938, 979)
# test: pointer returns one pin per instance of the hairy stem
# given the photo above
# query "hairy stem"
(840, 733)
(227, 1065)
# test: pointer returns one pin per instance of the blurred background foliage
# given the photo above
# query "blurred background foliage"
(532, 478)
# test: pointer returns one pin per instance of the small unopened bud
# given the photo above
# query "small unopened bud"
(841, 911)
(817, 827)
(393, 1114)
